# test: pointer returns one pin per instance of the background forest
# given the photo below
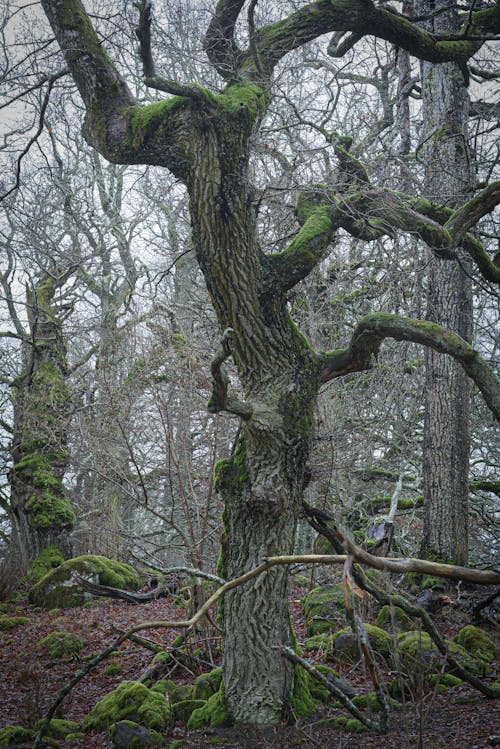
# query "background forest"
(117, 419)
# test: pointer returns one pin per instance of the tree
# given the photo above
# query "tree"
(38, 507)
(449, 179)
(205, 139)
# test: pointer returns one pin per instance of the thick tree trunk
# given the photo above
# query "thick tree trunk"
(262, 483)
(40, 511)
(449, 303)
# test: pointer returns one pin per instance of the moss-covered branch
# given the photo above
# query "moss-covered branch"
(374, 328)
(308, 248)
(362, 17)
(467, 216)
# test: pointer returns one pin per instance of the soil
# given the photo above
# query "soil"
(460, 718)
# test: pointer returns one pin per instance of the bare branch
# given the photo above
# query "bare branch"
(374, 328)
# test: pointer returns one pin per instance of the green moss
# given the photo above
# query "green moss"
(446, 680)
(13, 735)
(354, 725)
(317, 229)
(48, 559)
(207, 684)
(57, 590)
(322, 606)
(16, 735)
(418, 648)
(131, 700)
(243, 97)
(318, 691)
(154, 711)
(393, 617)
(10, 622)
(135, 742)
(112, 669)
(214, 713)
(47, 506)
(476, 642)
(59, 728)
(60, 644)
(183, 710)
(321, 642)
(379, 640)
(147, 121)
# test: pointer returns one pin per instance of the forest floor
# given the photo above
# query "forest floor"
(460, 718)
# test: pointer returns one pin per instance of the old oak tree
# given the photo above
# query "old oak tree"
(205, 139)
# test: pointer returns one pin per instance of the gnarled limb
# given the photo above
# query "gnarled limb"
(219, 42)
(371, 331)
(120, 129)
(467, 216)
(362, 18)
(219, 399)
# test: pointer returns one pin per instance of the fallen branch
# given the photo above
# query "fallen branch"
(482, 577)
(292, 656)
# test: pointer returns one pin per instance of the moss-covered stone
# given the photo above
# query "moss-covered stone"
(57, 589)
(318, 691)
(14, 735)
(10, 622)
(417, 647)
(322, 606)
(131, 700)
(61, 644)
(392, 617)
(207, 684)
(322, 643)
(183, 710)
(213, 713)
(126, 734)
(112, 669)
(59, 728)
(476, 642)
(444, 680)
(379, 640)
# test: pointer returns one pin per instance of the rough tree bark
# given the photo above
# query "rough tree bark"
(42, 518)
(449, 179)
(204, 139)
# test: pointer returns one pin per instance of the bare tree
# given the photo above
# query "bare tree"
(204, 137)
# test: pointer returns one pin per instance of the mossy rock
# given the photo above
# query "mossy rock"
(322, 643)
(59, 728)
(133, 701)
(182, 711)
(207, 684)
(179, 692)
(346, 645)
(323, 606)
(444, 680)
(347, 724)
(112, 669)
(393, 618)
(317, 690)
(60, 645)
(212, 714)
(126, 734)
(476, 642)
(14, 735)
(57, 589)
(10, 622)
(417, 647)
